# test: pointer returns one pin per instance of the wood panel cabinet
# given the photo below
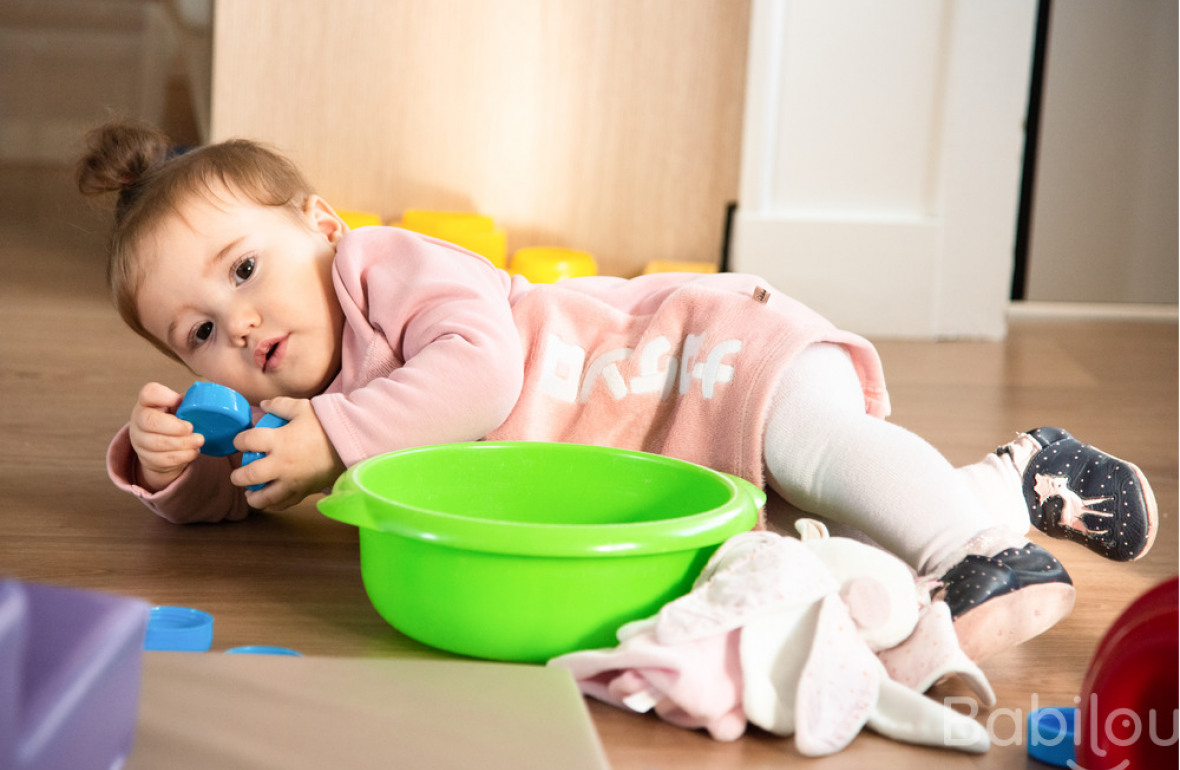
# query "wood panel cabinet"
(613, 127)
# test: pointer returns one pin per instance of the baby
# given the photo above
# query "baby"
(380, 339)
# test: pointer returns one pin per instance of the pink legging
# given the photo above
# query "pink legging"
(826, 456)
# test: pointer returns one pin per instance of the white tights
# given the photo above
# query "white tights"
(827, 457)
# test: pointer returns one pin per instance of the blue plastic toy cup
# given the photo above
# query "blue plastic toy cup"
(263, 649)
(179, 629)
(218, 413)
(1051, 733)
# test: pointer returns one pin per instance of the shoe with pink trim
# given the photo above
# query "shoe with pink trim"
(1077, 492)
(998, 602)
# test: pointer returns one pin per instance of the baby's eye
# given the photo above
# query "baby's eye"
(243, 270)
(202, 333)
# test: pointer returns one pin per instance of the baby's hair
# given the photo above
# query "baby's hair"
(136, 161)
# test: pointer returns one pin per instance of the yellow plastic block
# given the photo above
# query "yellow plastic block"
(474, 232)
(667, 266)
(429, 222)
(541, 264)
(355, 219)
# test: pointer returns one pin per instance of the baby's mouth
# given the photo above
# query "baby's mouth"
(269, 354)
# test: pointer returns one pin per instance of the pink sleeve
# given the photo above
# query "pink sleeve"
(458, 365)
(202, 493)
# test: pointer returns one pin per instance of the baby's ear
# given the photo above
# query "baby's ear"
(324, 219)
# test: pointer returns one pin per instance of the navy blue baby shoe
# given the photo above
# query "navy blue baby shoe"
(1000, 601)
(1077, 492)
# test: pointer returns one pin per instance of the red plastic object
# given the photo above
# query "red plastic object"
(1129, 696)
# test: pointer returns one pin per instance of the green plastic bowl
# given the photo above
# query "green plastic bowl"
(523, 551)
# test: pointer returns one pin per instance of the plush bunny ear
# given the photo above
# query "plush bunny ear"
(844, 687)
(839, 686)
(872, 580)
(811, 529)
(905, 715)
(868, 602)
(931, 653)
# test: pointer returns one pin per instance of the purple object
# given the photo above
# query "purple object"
(13, 610)
(70, 663)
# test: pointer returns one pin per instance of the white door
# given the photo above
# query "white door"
(881, 159)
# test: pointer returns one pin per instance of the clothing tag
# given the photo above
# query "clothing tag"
(642, 701)
(761, 295)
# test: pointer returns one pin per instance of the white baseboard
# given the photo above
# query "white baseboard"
(1094, 311)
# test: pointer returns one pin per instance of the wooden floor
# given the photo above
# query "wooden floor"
(69, 372)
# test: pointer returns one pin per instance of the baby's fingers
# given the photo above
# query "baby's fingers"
(255, 473)
(162, 458)
(162, 423)
(169, 462)
(273, 497)
(157, 396)
(160, 442)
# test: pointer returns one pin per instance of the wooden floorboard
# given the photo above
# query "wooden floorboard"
(69, 372)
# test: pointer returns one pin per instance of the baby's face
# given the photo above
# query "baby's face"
(243, 294)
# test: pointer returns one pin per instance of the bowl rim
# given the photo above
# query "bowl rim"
(737, 513)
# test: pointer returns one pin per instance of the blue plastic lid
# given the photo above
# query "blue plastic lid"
(218, 413)
(1051, 735)
(179, 629)
(262, 649)
(267, 420)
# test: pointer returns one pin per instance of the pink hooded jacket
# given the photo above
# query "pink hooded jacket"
(440, 346)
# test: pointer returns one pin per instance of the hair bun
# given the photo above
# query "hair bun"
(119, 155)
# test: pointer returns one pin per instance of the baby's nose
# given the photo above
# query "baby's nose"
(240, 324)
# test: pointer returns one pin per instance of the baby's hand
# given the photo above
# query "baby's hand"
(164, 443)
(299, 461)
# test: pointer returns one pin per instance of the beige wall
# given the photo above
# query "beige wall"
(1104, 222)
(607, 125)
